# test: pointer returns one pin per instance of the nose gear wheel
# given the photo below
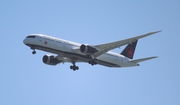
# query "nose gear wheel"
(34, 52)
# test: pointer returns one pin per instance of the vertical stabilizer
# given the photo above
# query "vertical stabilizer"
(129, 50)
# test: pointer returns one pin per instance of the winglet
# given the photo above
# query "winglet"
(145, 35)
(156, 32)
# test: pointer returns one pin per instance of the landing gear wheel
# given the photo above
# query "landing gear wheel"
(77, 68)
(92, 62)
(74, 67)
(71, 67)
(34, 52)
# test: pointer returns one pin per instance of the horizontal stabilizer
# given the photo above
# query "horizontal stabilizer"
(143, 59)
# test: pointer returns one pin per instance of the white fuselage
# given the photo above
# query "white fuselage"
(67, 49)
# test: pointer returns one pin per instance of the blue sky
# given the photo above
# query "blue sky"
(25, 80)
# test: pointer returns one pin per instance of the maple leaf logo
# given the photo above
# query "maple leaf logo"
(130, 51)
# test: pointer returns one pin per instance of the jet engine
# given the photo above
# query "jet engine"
(89, 50)
(50, 60)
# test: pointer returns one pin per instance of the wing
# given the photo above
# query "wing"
(63, 59)
(103, 48)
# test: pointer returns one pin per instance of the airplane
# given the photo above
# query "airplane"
(72, 52)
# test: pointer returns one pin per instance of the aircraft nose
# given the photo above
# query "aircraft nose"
(25, 41)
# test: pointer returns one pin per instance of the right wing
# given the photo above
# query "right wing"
(103, 48)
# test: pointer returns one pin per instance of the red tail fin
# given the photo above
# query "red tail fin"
(129, 50)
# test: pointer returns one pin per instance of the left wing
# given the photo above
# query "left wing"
(103, 48)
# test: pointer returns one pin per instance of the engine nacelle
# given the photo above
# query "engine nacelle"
(50, 60)
(89, 50)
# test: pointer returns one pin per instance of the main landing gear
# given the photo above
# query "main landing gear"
(92, 62)
(74, 67)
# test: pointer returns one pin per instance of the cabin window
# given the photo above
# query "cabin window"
(32, 36)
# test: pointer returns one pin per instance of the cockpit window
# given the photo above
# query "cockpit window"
(31, 36)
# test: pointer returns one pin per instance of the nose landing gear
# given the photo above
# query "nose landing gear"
(33, 48)
(34, 52)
